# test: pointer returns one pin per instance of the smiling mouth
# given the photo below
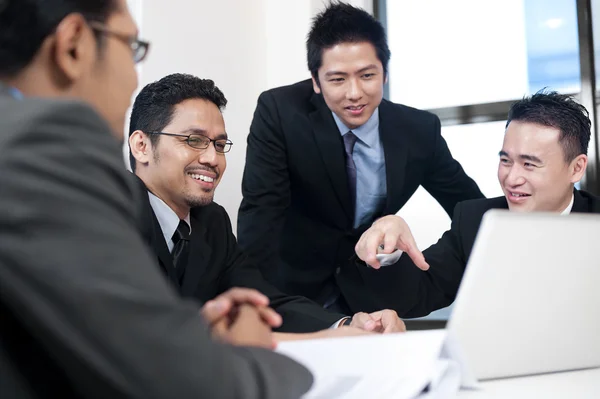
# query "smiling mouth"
(518, 195)
(356, 108)
(204, 178)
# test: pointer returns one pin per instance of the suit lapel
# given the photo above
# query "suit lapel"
(392, 133)
(329, 142)
(199, 255)
(165, 259)
(160, 246)
(152, 233)
(580, 205)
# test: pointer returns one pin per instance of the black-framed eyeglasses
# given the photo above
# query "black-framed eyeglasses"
(201, 142)
(139, 48)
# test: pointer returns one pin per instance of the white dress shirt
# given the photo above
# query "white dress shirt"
(569, 207)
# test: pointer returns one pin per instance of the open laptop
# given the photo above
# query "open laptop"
(529, 302)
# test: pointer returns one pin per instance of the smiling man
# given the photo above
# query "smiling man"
(82, 312)
(328, 156)
(543, 155)
(178, 147)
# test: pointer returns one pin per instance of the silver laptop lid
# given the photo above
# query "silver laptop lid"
(530, 297)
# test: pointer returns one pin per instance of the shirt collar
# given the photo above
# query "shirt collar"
(167, 218)
(569, 207)
(15, 93)
(362, 132)
(12, 91)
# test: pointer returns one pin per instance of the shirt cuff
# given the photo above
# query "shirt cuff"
(340, 321)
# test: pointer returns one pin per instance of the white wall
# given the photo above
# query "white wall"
(222, 40)
(245, 46)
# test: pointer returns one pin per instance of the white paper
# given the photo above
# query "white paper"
(377, 366)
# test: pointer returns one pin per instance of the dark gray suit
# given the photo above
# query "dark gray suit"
(81, 312)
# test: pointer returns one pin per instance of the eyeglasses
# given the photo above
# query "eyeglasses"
(201, 142)
(139, 48)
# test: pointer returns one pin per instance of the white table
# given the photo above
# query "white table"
(567, 385)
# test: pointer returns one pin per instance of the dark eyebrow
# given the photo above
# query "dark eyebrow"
(524, 157)
(372, 66)
(532, 158)
(331, 73)
(195, 130)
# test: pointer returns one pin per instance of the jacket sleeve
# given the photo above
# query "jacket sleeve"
(416, 293)
(299, 314)
(446, 180)
(265, 189)
(78, 276)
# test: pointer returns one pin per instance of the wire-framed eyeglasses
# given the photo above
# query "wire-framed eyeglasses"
(139, 48)
(201, 142)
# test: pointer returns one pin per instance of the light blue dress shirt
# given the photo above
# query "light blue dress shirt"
(371, 186)
(13, 92)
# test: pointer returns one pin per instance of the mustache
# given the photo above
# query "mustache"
(202, 168)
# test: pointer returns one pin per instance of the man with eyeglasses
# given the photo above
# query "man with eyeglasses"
(82, 312)
(177, 145)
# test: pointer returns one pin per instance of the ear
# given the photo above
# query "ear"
(385, 80)
(316, 87)
(577, 168)
(140, 147)
(74, 47)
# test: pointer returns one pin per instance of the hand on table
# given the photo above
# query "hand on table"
(383, 321)
(241, 316)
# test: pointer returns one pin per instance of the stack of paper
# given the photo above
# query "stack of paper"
(406, 365)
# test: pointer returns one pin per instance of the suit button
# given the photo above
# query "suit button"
(337, 271)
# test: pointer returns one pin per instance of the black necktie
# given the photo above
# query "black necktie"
(181, 239)
(349, 141)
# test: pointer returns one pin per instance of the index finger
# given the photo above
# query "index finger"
(416, 255)
(270, 316)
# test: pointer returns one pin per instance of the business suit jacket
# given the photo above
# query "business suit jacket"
(216, 264)
(416, 293)
(296, 218)
(82, 312)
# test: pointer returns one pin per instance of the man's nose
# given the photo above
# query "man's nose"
(515, 177)
(209, 155)
(354, 90)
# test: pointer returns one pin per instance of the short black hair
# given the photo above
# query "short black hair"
(153, 107)
(25, 24)
(560, 111)
(343, 23)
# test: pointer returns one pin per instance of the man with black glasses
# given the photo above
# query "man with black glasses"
(82, 312)
(178, 144)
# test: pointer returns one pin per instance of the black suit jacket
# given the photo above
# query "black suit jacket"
(82, 311)
(414, 293)
(296, 218)
(216, 264)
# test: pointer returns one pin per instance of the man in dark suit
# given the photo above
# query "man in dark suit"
(328, 156)
(543, 155)
(178, 148)
(82, 312)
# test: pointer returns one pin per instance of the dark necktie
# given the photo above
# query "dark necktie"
(349, 141)
(181, 239)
